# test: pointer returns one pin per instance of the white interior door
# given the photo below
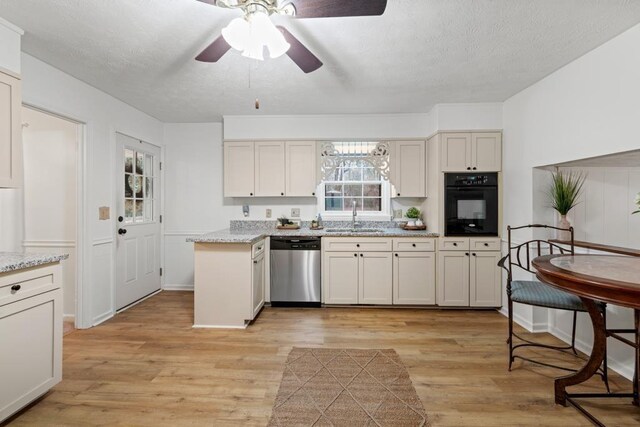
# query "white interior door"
(138, 220)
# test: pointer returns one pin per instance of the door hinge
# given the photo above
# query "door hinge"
(160, 165)
(160, 219)
(161, 271)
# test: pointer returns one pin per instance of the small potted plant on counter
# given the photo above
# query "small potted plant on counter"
(413, 214)
(637, 202)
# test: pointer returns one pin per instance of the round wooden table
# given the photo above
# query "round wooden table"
(611, 279)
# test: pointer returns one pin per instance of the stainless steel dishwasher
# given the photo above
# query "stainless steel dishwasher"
(295, 272)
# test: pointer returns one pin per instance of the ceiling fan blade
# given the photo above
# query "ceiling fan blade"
(338, 8)
(214, 51)
(298, 52)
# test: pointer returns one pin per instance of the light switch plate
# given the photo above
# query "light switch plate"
(295, 212)
(103, 213)
(268, 213)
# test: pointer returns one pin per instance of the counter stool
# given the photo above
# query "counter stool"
(539, 294)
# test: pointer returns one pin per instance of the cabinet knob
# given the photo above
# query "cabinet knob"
(396, 255)
(469, 168)
(251, 194)
(361, 255)
(486, 244)
(466, 253)
(413, 244)
(474, 168)
(16, 288)
(455, 244)
(474, 254)
(398, 194)
(355, 254)
(282, 194)
(357, 245)
(313, 194)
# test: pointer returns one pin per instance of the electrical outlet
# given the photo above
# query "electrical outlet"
(295, 212)
(397, 213)
(268, 213)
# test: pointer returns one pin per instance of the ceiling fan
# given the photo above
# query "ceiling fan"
(254, 31)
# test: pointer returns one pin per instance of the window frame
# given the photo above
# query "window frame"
(385, 196)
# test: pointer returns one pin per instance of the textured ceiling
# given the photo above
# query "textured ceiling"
(418, 54)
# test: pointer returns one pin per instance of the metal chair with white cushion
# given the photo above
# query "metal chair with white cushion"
(539, 294)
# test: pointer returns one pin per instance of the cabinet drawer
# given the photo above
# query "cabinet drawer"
(356, 244)
(258, 248)
(20, 286)
(414, 245)
(454, 244)
(488, 244)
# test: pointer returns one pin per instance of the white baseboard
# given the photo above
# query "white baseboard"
(525, 323)
(69, 317)
(218, 327)
(177, 287)
(102, 318)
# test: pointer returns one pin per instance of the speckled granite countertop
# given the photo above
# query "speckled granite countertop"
(13, 261)
(254, 235)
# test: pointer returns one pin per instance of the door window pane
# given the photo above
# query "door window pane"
(128, 188)
(128, 161)
(139, 163)
(128, 211)
(138, 187)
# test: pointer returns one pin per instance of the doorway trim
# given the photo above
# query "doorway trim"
(81, 320)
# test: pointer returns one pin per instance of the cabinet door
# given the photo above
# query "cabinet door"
(455, 152)
(414, 278)
(453, 278)
(10, 132)
(270, 170)
(238, 169)
(340, 278)
(300, 159)
(409, 164)
(485, 280)
(258, 277)
(31, 356)
(376, 278)
(486, 151)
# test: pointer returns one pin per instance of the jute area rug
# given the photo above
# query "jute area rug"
(346, 387)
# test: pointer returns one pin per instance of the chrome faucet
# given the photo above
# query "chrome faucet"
(353, 215)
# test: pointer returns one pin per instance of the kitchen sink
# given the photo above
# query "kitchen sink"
(355, 230)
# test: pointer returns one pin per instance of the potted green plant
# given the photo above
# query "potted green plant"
(413, 214)
(637, 202)
(564, 192)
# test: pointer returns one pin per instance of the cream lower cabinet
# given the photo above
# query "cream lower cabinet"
(357, 278)
(230, 280)
(468, 274)
(30, 335)
(414, 278)
(10, 131)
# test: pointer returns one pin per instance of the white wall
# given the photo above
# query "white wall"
(52, 90)
(50, 146)
(586, 109)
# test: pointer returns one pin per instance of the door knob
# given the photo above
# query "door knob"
(122, 231)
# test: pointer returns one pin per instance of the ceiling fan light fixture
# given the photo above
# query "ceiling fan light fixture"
(237, 33)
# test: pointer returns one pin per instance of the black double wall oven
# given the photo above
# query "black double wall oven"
(471, 204)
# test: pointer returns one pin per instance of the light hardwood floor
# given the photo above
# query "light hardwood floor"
(147, 366)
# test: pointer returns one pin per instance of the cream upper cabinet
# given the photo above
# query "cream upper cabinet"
(414, 278)
(239, 170)
(376, 276)
(480, 151)
(485, 289)
(486, 151)
(455, 152)
(269, 169)
(300, 160)
(409, 168)
(10, 132)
